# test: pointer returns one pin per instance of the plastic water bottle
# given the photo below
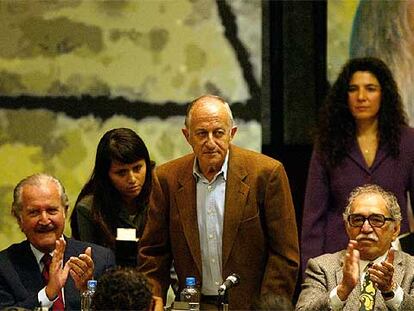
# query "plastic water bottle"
(86, 297)
(191, 294)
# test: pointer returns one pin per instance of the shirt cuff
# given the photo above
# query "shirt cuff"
(335, 303)
(395, 303)
(44, 300)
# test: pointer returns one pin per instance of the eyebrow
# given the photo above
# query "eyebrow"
(368, 84)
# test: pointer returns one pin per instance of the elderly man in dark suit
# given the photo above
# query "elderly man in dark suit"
(221, 210)
(36, 271)
(369, 274)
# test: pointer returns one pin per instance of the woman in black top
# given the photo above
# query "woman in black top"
(117, 193)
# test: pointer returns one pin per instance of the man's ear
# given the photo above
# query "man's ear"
(347, 228)
(396, 232)
(19, 222)
(186, 134)
(233, 132)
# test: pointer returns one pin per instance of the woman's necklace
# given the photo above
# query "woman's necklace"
(368, 146)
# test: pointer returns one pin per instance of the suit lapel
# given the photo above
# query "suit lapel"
(379, 157)
(235, 202)
(72, 297)
(186, 204)
(27, 267)
(398, 268)
(355, 154)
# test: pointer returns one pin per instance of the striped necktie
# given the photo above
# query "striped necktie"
(58, 305)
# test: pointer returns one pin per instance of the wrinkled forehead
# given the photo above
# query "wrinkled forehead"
(369, 203)
(208, 101)
(210, 108)
(41, 194)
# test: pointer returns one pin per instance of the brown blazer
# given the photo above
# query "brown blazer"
(324, 273)
(260, 240)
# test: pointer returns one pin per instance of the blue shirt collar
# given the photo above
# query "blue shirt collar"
(198, 174)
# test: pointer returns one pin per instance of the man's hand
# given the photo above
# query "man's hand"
(350, 271)
(57, 273)
(81, 269)
(382, 273)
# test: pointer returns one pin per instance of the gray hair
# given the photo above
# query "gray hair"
(39, 179)
(202, 98)
(391, 202)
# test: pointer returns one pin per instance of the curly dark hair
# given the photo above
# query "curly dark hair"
(122, 288)
(337, 130)
(125, 146)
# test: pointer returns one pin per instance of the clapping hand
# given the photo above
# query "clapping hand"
(57, 273)
(350, 271)
(81, 269)
(382, 274)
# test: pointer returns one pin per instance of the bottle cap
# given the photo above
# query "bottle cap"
(92, 283)
(190, 281)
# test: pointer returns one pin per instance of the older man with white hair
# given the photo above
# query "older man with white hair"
(369, 274)
(36, 271)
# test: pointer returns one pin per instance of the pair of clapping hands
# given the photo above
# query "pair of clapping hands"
(380, 274)
(80, 268)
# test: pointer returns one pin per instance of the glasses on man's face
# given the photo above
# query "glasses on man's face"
(375, 220)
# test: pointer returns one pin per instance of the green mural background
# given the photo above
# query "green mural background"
(142, 51)
(340, 18)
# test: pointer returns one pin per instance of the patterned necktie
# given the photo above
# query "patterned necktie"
(367, 296)
(58, 305)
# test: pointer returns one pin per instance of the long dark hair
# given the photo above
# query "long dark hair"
(121, 145)
(337, 129)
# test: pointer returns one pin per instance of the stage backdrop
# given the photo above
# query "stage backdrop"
(71, 70)
(383, 29)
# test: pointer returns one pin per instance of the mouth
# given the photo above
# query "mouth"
(134, 188)
(366, 239)
(361, 108)
(45, 229)
(210, 153)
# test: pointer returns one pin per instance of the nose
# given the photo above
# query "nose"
(44, 218)
(210, 141)
(361, 95)
(131, 177)
(366, 227)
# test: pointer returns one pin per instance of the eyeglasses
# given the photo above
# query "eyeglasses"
(375, 220)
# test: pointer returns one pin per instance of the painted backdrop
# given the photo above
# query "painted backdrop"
(383, 29)
(71, 70)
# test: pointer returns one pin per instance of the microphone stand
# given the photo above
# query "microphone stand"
(223, 300)
(223, 297)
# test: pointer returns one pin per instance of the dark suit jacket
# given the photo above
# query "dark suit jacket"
(21, 279)
(324, 273)
(259, 232)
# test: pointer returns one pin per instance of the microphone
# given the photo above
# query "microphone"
(231, 281)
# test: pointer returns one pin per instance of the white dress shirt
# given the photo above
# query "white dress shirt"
(210, 215)
(41, 296)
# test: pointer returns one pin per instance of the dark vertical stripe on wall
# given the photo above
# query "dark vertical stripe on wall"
(265, 90)
(273, 71)
(321, 24)
(294, 71)
(296, 58)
